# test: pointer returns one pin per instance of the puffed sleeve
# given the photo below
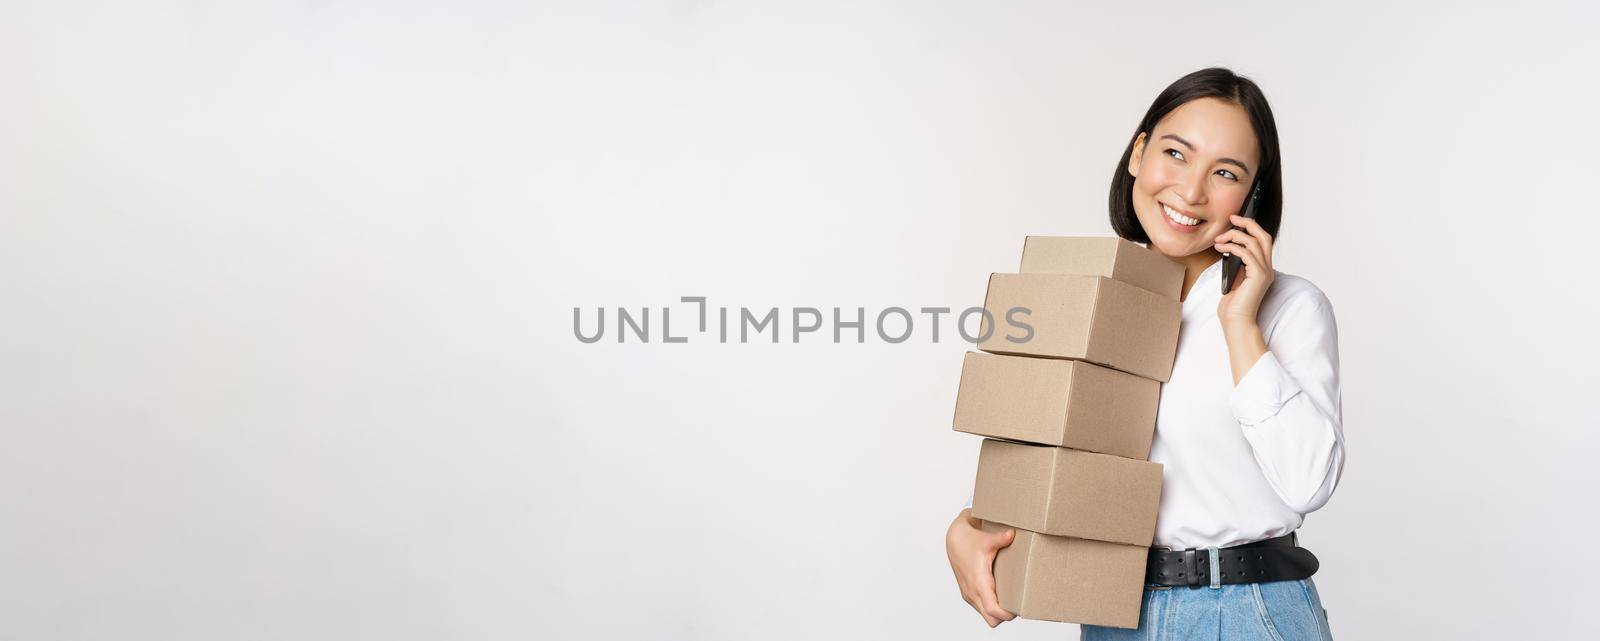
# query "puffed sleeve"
(1288, 404)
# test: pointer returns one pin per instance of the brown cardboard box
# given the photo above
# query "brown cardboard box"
(1091, 318)
(1111, 257)
(1057, 578)
(1057, 402)
(1054, 490)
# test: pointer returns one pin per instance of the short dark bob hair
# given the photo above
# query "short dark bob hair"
(1214, 82)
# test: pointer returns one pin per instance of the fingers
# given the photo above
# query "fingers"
(1252, 236)
(1255, 230)
(1003, 540)
(985, 580)
(1252, 261)
(1240, 238)
(1243, 252)
(977, 606)
(976, 577)
(991, 610)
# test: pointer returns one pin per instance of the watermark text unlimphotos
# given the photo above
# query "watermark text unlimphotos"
(791, 324)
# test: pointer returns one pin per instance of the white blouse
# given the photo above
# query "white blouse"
(1248, 462)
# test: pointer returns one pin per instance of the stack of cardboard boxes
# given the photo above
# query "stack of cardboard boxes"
(1069, 414)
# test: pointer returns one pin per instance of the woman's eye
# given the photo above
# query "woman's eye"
(1175, 154)
(1227, 174)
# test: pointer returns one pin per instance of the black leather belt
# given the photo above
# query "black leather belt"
(1276, 559)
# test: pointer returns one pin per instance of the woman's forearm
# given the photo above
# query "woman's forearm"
(1245, 347)
(1286, 400)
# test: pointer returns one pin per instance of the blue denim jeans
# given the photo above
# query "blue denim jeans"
(1275, 611)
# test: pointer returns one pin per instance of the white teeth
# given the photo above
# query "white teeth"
(1180, 218)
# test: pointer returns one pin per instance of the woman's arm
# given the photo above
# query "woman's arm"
(1287, 400)
(1286, 380)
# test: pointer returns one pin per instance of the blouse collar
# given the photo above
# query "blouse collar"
(1205, 289)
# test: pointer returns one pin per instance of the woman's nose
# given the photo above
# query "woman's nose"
(1193, 188)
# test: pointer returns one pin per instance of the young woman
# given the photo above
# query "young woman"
(1248, 430)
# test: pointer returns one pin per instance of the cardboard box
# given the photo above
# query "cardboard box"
(1054, 490)
(1056, 578)
(1111, 257)
(1057, 402)
(1090, 318)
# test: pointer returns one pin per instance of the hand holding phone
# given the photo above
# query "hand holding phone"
(1231, 263)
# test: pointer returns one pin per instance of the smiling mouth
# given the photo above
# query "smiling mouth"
(1179, 217)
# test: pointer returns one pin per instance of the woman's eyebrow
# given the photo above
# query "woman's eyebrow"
(1240, 165)
(1180, 141)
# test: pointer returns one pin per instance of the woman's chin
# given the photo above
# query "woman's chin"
(1174, 247)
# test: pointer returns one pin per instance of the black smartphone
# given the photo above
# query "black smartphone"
(1231, 263)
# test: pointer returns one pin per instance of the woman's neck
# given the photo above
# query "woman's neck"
(1194, 265)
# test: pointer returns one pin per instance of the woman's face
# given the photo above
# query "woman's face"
(1191, 173)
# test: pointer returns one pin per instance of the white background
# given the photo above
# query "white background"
(286, 347)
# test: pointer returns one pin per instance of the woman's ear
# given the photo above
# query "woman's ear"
(1137, 156)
